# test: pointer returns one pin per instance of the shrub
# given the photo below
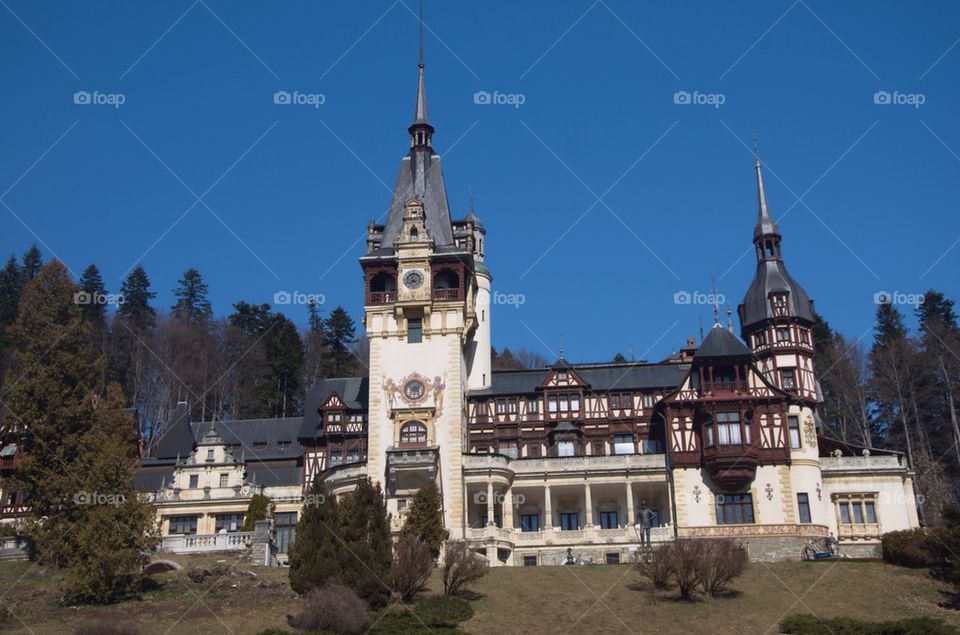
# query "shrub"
(685, 557)
(105, 628)
(400, 622)
(256, 510)
(424, 518)
(911, 548)
(721, 560)
(812, 625)
(655, 564)
(412, 566)
(444, 610)
(332, 608)
(461, 566)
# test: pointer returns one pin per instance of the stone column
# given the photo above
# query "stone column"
(588, 503)
(631, 514)
(507, 509)
(547, 508)
(490, 501)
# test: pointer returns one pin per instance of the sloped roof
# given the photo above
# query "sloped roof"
(604, 378)
(353, 391)
(721, 343)
(772, 277)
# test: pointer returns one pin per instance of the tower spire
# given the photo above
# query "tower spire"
(421, 132)
(765, 225)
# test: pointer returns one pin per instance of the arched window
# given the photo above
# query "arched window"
(446, 279)
(413, 433)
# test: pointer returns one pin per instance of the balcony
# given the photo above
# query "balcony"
(731, 466)
(721, 387)
(383, 297)
(565, 464)
(446, 295)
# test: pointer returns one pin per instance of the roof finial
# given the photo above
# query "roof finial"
(561, 344)
(716, 305)
(729, 319)
(765, 224)
(700, 320)
(421, 35)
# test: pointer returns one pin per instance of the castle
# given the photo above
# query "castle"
(720, 439)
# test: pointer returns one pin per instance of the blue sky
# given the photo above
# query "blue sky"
(869, 190)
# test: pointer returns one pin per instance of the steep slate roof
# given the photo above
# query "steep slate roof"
(353, 391)
(178, 439)
(771, 276)
(721, 343)
(600, 378)
(278, 435)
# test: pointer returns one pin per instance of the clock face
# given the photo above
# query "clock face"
(414, 389)
(413, 279)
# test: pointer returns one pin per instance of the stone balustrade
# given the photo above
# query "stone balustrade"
(861, 463)
(559, 537)
(652, 462)
(204, 543)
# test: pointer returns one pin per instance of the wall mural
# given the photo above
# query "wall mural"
(415, 390)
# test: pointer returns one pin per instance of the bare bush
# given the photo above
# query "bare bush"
(461, 566)
(685, 557)
(412, 566)
(654, 564)
(332, 608)
(721, 560)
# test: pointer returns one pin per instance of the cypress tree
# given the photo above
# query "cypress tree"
(316, 554)
(424, 518)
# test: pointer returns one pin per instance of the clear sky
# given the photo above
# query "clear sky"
(199, 167)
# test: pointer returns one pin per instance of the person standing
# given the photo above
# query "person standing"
(646, 523)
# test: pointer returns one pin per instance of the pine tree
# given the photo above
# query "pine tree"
(341, 335)
(10, 285)
(619, 359)
(93, 305)
(135, 308)
(424, 518)
(192, 305)
(316, 554)
(32, 263)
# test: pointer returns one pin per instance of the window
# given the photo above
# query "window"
(533, 405)
(565, 448)
(533, 450)
(760, 339)
(844, 513)
(224, 480)
(648, 401)
(788, 378)
(869, 507)
(793, 424)
(613, 558)
(506, 406)
(651, 446)
(501, 406)
(804, 336)
(353, 456)
(623, 444)
(569, 521)
(286, 530)
(509, 448)
(728, 429)
(615, 402)
(530, 522)
(803, 507)
(334, 417)
(596, 448)
(194, 481)
(529, 561)
(783, 335)
(209, 455)
(621, 401)
(414, 330)
(229, 522)
(609, 520)
(183, 525)
(336, 457)
(734, 509)
(413, 433)
(552, 403)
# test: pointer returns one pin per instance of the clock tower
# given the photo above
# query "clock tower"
(424, 279)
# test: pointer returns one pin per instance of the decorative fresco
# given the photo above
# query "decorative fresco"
(415, 390)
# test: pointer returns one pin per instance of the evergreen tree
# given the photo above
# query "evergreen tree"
(10, 285)
(192, 305)
(315, 346)
(619, 359)
(32, 263)
(256, 510)
(135, 308)
(365, 531)
(424, 518)
(316, 555)
(341, 335)
(93, 305)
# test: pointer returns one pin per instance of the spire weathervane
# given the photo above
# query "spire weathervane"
(421, 35)
(716, 305)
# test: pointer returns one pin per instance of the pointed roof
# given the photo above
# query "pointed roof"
(765, 224)
(420, 110)
(721, 343)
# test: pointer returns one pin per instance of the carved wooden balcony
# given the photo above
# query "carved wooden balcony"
(731, 466)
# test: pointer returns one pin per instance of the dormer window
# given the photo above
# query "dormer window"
(414, 234)
(778, 302)
(783, 335)
(209, 456)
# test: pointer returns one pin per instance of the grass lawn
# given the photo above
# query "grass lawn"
(582, 599)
